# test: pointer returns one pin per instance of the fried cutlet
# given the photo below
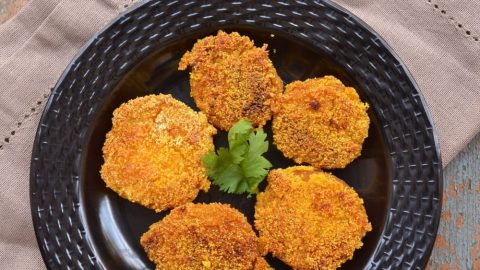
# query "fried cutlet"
(202, 236)
(262, 264)
(320, 122)
(232, 79)
(310, 219)
(153, 152)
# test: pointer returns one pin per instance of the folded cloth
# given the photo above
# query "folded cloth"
(35, 48)
(438, 40)
(438, 43)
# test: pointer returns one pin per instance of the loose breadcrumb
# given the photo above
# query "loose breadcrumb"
(202, 236)
(232, 79)
(310, 219)
(153, 152)
(321, 122)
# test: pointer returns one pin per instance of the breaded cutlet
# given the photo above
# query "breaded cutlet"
(203, 236)
(310, 219)
(320, 122)
(152, 154)
(231, 79)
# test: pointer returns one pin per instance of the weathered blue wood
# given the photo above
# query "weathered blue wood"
(458, 241)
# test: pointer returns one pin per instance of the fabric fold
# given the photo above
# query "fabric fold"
(18, 30)
(35, 48)
(444, 62)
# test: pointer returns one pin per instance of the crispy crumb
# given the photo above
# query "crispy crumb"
(153, 152)
(321, 122)
(310, 219)
(232, 79)
(202, 236)
(261, 264)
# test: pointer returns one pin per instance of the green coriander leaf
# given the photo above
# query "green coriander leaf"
(229, 178)
(242, 187)
(256, 167)
(253, 185)
(241, 167)
(257, 142)
(210, 160)
(238, 134)
(224, 157)
(238, 153)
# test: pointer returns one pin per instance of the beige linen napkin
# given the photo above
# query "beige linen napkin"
(438, 41)
(35, 48)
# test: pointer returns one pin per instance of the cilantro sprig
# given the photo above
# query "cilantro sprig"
(241, 167)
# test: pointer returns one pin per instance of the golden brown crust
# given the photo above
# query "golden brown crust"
(310, 219)
(202, 236)
(320, 122)
(232, 79)
(261, 264)
(153, 152)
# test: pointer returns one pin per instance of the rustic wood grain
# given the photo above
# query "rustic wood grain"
(458, 241)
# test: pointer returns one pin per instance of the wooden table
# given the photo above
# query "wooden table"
(458, 240)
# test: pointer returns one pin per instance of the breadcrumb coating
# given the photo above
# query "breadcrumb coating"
(321, 122)
(232, 79)
(202, 236)
(153, 152)
(310, 219)
(261, 264)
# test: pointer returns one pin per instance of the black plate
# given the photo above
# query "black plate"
(80, 224)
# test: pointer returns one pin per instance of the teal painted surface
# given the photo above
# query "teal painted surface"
(458, 240)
